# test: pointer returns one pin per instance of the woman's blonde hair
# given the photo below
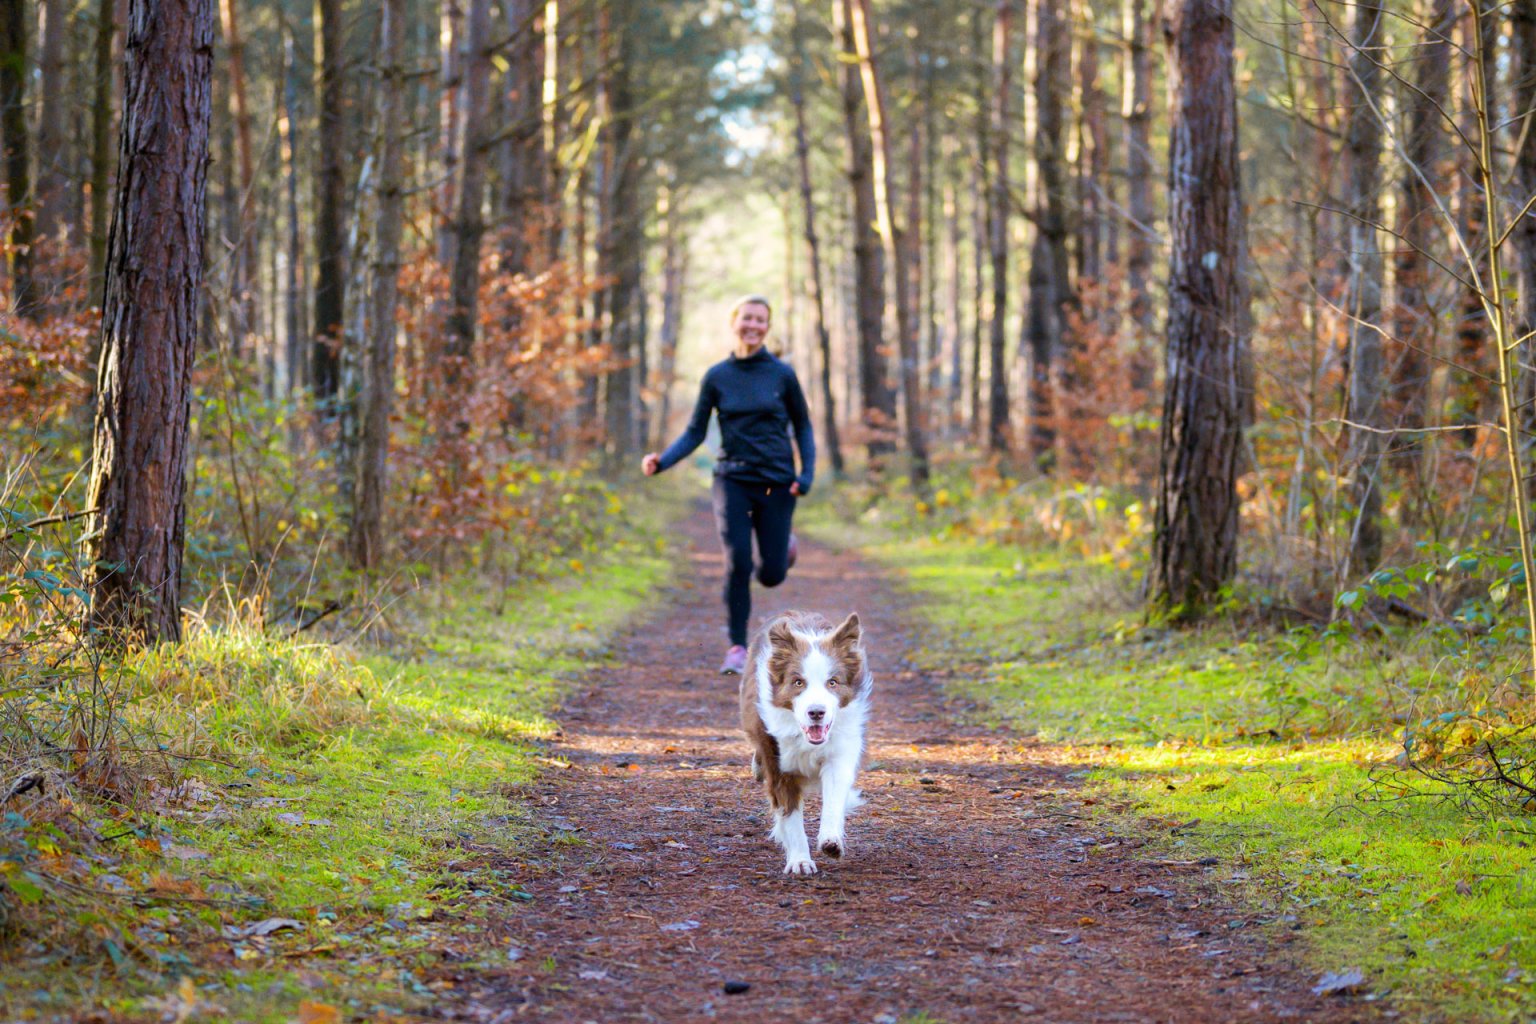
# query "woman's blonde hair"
(751, 300)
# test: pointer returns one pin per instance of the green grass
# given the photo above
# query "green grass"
(334, 786)
(1268, 737)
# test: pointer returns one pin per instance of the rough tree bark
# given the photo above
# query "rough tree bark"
(1001, 200)
(245, 273)
(1140, 234)
(1523, 19)
(52, 129)
(622, 249)
(900, 246)
(1050, 287)
(879, 399)
(1194, 549)
(524, 171)
(150, 320)
(330, 207)
(813, 281)
(1413, 343)
(1366, 380)
(366, 531)
(468, 225)
(101, 146)
(18, 154)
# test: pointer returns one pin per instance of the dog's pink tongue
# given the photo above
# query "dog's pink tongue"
(816, 733)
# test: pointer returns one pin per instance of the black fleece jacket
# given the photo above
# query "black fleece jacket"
(759, 400)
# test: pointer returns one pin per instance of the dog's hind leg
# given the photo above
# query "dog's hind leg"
(789, 825)
(838, 797)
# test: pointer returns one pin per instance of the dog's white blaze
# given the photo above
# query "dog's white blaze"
(816, 669)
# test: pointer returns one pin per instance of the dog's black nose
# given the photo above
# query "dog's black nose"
(816, 714)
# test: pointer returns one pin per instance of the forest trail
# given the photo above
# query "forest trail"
(976, 888)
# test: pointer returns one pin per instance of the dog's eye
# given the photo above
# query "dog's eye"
(832, 683)
(799, 683)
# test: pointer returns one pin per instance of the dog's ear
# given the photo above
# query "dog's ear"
(780, 635)
(847, 636)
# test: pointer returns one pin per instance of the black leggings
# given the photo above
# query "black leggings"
(741, 509)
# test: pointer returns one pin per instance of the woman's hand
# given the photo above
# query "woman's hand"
(651, 464)
(794, 488)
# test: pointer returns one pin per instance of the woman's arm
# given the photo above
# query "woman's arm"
(805, 437)
(693, 435)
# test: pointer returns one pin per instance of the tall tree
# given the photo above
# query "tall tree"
(1414, 318)
(18, 154)
(245, 271)
(1141, 233)
(101, 145)
(900, 247)
(879, 400)
(813, 277)
(1050, 285)
(997, 230)
(1366, 379)
(150, 320)
(366, 530)
(52, 128)
(1194, 548)
(1523, 19)
(524, 170)
(468, 224)
(330, 205)
(622, 244)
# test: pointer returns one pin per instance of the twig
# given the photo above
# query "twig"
(62, 517)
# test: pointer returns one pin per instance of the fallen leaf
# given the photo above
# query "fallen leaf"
(592, 975)
(680, 926)
(260, 928)
(178, 852)
(318, 1013)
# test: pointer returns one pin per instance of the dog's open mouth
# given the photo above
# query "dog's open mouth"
(817, 733)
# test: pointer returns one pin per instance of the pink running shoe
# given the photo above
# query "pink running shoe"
(794, 552)
(735, 661)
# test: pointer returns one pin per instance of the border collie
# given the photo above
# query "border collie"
(804, 703)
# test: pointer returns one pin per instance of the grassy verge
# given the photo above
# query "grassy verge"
(1264, 745)
(322, 840)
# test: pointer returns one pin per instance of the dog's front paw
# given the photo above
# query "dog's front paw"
(800, 867)
(831, 846)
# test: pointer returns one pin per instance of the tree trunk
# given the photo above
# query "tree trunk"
(450, 120)
(150, 319)
(468, 226)
(1523, 19)
(1092, 147)
(1194, 551)
(954, 260)
(1366, 381)
(524, 184)
(1414, 320)
(674, 282)
(981, 233)
(900, 246)
(1474, 363)
(813, 281)
(1141, 232)
(879, 400)
(52, 130)
(998, 431)
(330, 207)
(18, 155)
(623, 245)
(1050, 286)
(293, 314)
(101, 146)
(245, 273)
(366, 536)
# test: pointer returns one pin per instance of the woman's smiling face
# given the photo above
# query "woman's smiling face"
(751, 326)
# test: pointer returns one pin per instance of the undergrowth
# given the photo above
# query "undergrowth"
(1323, 760)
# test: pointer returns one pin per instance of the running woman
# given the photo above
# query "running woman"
(759, 400)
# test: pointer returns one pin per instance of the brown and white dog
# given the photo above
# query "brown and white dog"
(804, 705)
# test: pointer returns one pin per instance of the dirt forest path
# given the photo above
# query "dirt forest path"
(974, 889)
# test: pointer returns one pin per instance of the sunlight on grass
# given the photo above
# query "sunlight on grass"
(1260, 744)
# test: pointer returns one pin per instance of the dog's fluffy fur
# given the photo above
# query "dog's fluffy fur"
(804, 706)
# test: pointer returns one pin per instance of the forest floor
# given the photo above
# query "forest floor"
(979, 886)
